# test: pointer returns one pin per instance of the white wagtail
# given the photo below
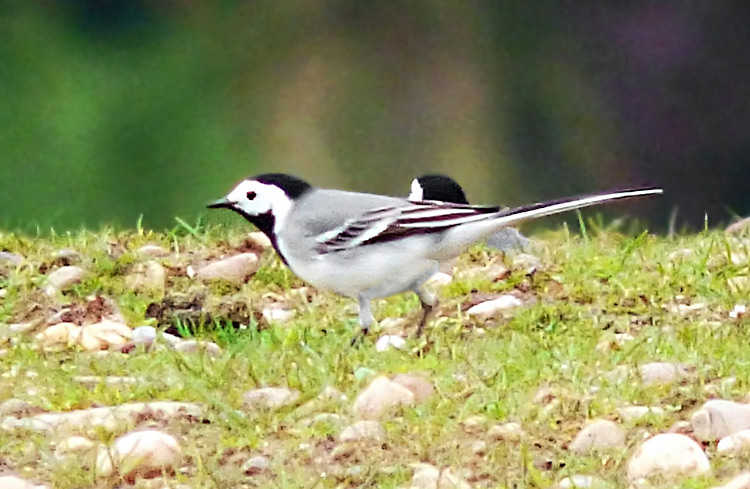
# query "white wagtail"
(443, 188)
(367, 246)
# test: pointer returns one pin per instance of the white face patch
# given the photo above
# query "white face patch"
(255, 198)
(417, 192)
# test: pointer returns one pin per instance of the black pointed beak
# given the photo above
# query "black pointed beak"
(221, 203)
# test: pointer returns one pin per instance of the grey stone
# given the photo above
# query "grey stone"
(143, 335)
(661, 372)
(667, 455)
(380, 396)
(362, 430)
(256, 464)
(269, 398)
(598, 435)
(198, 346)
(10, 258)
(63, 277)
(237, 268)
(718, 418)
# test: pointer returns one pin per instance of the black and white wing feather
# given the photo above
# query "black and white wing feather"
(395, 222)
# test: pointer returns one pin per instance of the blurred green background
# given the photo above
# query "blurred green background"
(113, 109)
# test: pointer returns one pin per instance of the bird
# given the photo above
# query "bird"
(444, 188)
(367, 246)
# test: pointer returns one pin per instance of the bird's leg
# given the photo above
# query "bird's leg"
(428, 302)
(365, 318)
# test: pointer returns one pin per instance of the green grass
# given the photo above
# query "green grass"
(585, 292)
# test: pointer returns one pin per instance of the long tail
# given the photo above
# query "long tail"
(507, 217)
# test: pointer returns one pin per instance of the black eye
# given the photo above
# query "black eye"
(250, 195)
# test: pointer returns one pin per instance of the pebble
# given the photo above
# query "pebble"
(661, 372)
(741, 481)
(17, 408)
(199, 346)
(143, 335)
(237, 268)
(67, 256)
(505, 431)
(479, 447)
(634, 413)
(494, 307)
(437, 282)
(152, 250)
(62, 278)
(668, 455)
(419, 386)
(474, 424)
(738, 311)
(150, 276)
(13, 482)
(259, 240)
(143, 453)
(12, 258)
(388, 341)
(430, 477)
(718, 418)
(582, 482)
(736, 442)
(104, 335)
(74, 446)
(380, 396)
(277, 314)
(3, 293)
(362, 430)
(111, 418)
(526, 262)
(21, 328)
(598, 435)
(269, 398)
(59, 335)
(256, 464)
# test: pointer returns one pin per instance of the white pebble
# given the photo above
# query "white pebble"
(669, 455)
(389, 341)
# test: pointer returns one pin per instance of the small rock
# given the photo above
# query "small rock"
(152, 250)
(150, 276)
(526, 262)
(3, 293)
(237, 268)
(256, 464)
(104, 335)
(738, 311)
(634, 413)
(494, 307)
(59, 335)
(381, 395)
(388, 341)
(269, 398)
(110, 418)
(111, 380)
(735, 442)
(582, 482)
(259, 240)
(144, 453)
(505, 431)
(13, 482)
(661, 373)
(479, 447)
(17, 408)
(718, 418)
(62, 278)
(362, 430)
(741, 481)
(667, 455)
(598, 435)
(437, 282)
(74, 446)
(474, 424)
(12, 258)
(67, 256)
(198, 346)
(277, 314)
(419, 386)
(429, 477)
(143, 335)
(21, 328)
